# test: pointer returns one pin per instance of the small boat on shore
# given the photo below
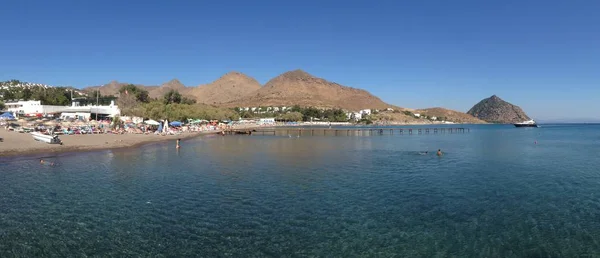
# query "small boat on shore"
(529, 123)
(51, 139)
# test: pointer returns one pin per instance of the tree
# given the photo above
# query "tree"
(128, 103)
(292, 116)
(188, 101)
(2, 106)
(172, 96)
(7, 94)
(140, 94)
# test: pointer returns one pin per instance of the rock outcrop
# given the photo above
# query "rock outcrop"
(496, 110)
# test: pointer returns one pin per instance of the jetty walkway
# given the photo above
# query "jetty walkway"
(346, 132)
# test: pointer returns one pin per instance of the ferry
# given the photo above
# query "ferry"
(529, 123)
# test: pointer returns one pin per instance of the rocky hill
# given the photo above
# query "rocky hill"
(450, 115)
(300, 88)
(159, 92)
(231, 86)
(112, 88)
(496, 110)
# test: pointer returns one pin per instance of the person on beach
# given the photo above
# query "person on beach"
(178, 140)
(439, 152)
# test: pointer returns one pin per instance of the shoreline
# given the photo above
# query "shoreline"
(23, 144)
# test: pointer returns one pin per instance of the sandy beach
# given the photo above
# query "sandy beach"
(16, 144)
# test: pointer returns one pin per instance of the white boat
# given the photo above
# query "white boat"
(529, 123)
(52, 139)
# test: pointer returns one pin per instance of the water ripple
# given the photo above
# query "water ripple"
(493, 194)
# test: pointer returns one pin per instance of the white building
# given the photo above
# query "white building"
(266, 121)
(365, 112)
(354, 115)
(35, 107)
(433, 118)
(417, 115)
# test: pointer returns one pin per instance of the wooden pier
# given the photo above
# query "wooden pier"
(347, 132)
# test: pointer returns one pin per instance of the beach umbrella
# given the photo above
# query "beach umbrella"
(151, 122)
(7, 116)
(175, 123)
(21, 121)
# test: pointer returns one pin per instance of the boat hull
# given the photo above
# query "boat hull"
(526, 125)
(51, 139)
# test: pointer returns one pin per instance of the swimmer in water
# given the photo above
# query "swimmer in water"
(43, 162)
(178, 140)
(439, 152)
(424, 153)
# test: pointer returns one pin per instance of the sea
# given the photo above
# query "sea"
(497, 191)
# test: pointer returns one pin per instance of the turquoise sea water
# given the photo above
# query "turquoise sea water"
(495, 193)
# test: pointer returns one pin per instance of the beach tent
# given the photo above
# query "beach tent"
(175, 123)
(166, 126)
(151, 122)
(7, 116)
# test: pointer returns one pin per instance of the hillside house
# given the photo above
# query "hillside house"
(354, 116)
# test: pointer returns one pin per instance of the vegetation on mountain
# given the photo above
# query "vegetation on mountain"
(2, 106)
(307, 114)
(173, 96)
(496, 110)
(159, 92)
(291, 117)
(16, 90)
(173, 106)
(181, 112)
(443, 114)
(138, 93)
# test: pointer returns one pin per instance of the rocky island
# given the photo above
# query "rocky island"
(496, 110)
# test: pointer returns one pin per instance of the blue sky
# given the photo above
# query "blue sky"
(541, 55)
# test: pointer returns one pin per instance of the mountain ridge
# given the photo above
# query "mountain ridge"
(298, 87)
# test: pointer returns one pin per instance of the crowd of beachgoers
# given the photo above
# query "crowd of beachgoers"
(47, 126)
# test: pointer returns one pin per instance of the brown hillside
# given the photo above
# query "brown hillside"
(231, 86)
(451, 115)
(112, 88)
(300, 88)
(159, 92)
